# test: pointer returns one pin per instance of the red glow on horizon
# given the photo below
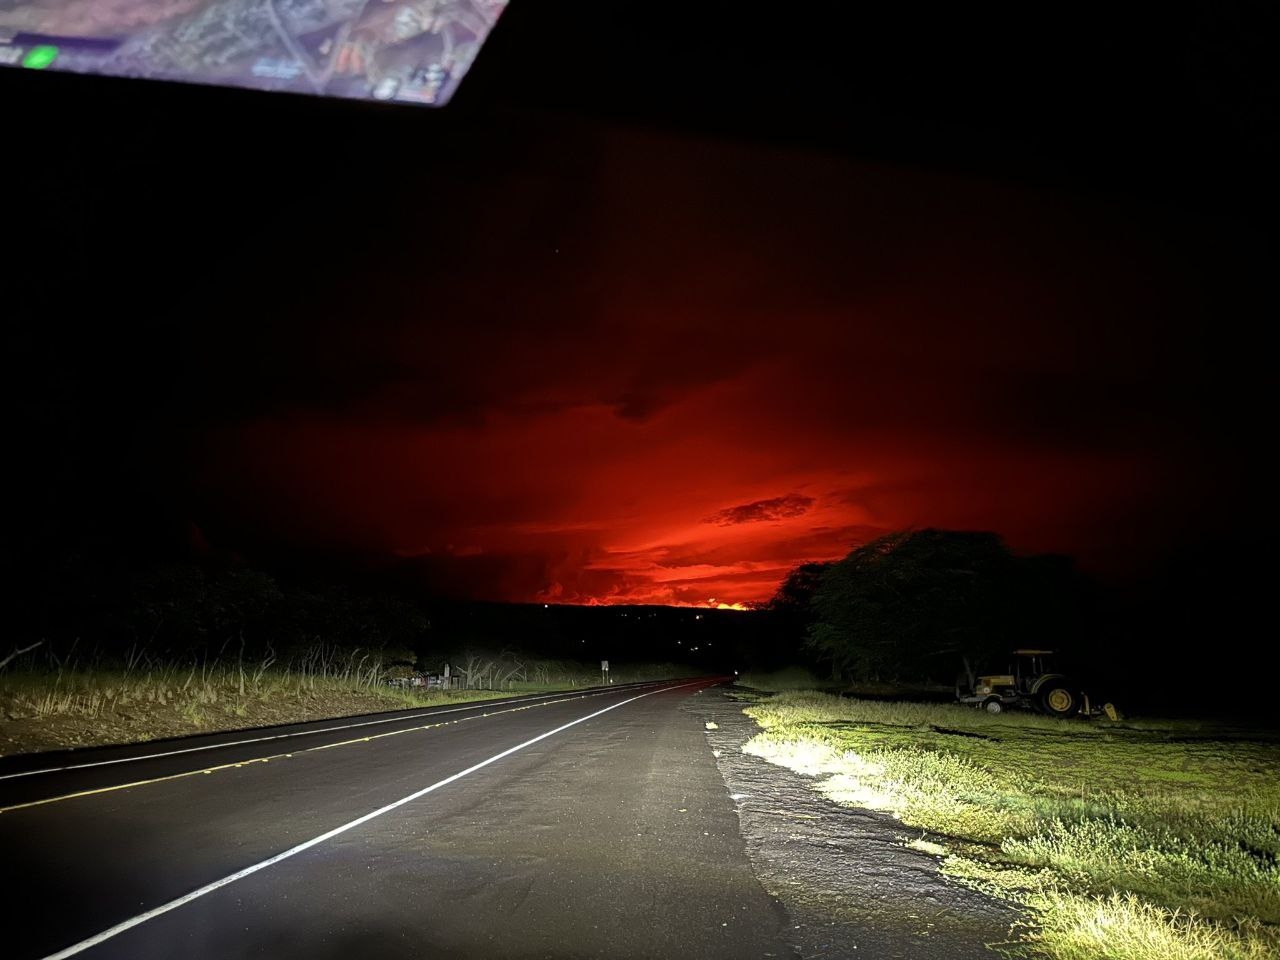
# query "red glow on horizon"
(770, 365)
(665, 511)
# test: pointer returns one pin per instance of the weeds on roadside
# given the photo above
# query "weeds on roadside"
(1128, 840)
(62, 686)
(140, 696)
(1123, 926)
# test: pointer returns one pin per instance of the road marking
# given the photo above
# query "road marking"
(233, 764)
(164, 908)
(300, 733)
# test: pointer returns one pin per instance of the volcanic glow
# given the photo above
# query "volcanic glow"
(718, 370)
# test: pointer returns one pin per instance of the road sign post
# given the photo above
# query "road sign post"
(604, 672)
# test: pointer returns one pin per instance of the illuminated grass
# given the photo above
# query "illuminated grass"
(1167, 831)
(1126, 927)
(51, 705)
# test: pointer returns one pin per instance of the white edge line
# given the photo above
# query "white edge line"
(308, 844)
(433, 712)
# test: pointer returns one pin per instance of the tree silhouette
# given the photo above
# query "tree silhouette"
(791, 611)
(914, 604)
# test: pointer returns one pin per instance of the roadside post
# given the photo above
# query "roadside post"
(604, 672)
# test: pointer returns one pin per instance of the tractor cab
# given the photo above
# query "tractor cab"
(1027, 667)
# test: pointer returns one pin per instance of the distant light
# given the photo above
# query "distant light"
(735, 673)
(546, 606)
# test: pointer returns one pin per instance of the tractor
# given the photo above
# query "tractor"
(1030, 683)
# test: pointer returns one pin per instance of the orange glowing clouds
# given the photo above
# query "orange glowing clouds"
(707, 502)
(734, 362)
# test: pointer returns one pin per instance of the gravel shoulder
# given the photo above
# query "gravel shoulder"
(847, 882)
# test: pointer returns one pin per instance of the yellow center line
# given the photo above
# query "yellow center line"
(279, 756)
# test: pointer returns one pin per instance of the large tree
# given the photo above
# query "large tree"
(790, 611)
(916, 604)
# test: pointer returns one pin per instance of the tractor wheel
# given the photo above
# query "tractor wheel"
(993, 705)
(1057, 700)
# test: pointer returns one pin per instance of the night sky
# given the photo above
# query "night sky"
(594, 340)
(708, 364)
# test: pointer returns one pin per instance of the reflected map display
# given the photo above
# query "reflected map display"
(408, 51)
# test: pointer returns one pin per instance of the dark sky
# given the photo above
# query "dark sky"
(666, 304)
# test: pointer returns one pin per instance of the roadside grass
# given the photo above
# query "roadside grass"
(515, 673)
(50, 704)
(787, 679)
(1133, 840)
(798, 678)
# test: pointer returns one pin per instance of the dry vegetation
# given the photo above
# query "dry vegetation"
(49, 703)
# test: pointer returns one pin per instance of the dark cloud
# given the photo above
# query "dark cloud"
(776, 508)
(784, 549)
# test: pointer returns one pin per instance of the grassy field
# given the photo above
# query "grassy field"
(47, 705)
(1127, 840)
(789, 679)
(793, 679)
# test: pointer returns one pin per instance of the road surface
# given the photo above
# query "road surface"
(564, 826)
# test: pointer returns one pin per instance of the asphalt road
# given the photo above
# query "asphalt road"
(588, 826)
